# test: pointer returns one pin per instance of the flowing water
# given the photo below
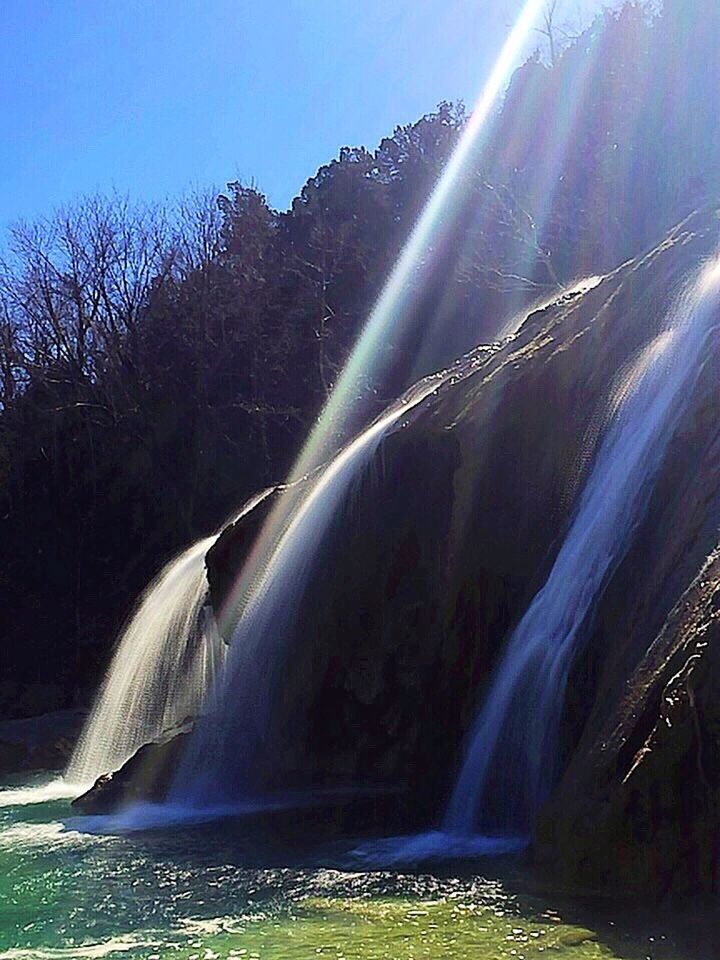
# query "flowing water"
(511, 757)
(170, 653)
(159, 672)
(216, 893)
(510, 762)
(164, 664)
(221, 764)
(229, 746)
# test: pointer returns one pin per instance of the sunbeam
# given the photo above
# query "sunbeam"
(392, 308)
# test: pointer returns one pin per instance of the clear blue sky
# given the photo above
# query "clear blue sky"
(149, 97)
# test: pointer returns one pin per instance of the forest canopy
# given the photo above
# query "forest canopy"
(158, 364)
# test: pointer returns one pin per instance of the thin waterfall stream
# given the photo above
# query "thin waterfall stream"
(511, 759)
(159, 671)
(165, 662)
(510, 762)
(221, 763)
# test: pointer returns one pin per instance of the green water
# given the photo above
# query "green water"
(209, 893)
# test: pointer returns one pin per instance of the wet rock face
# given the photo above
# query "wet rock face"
(145, 778)
(231, 548)
(453, 529)
(640, 810)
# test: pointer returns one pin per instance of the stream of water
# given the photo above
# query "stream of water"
(511, 758)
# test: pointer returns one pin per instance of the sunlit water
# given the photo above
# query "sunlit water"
(165, 662)
(211, 893)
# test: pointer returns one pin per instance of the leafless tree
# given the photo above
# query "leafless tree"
(560, 33)
(548, 28)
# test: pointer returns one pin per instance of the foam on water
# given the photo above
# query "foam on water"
(58, 789)
(93, 951)
(69, 896)
(42, 836)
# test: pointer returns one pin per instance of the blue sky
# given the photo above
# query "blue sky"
(150, 97)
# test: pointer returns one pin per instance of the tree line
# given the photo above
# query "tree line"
(160, 363)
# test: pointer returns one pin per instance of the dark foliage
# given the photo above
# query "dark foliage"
(157, 366)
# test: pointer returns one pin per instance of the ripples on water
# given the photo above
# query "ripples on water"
(209, 894)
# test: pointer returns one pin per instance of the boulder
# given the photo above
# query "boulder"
(144, 778)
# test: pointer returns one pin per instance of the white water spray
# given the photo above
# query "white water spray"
(46, 791)
(164, 665)
(511, 756)
(159, 672)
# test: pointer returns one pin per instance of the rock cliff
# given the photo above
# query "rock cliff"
(452, 530)
(440, 547)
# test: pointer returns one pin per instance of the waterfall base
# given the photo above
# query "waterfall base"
(437, 845)
(145, 778)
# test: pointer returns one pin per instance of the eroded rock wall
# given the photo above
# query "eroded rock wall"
(454, 527)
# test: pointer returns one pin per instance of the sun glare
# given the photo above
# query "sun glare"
(391, 309)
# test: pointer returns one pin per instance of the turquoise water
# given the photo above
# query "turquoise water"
(218, 891)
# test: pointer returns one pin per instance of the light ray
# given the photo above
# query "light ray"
(439, 210)
(391, 308)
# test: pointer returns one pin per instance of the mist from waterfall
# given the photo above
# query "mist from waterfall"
(164, 665)
(511, 757)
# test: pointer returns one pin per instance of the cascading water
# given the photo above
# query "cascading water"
(164, 665)
(511, 757)
(170, 655)
(221, 764)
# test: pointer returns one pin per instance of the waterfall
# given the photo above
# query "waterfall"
(158, 673)
(510, 762)
(221, 764)
(228, 746)
(511, 753)
(164, 664)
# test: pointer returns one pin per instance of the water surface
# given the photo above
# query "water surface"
(218, 892)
